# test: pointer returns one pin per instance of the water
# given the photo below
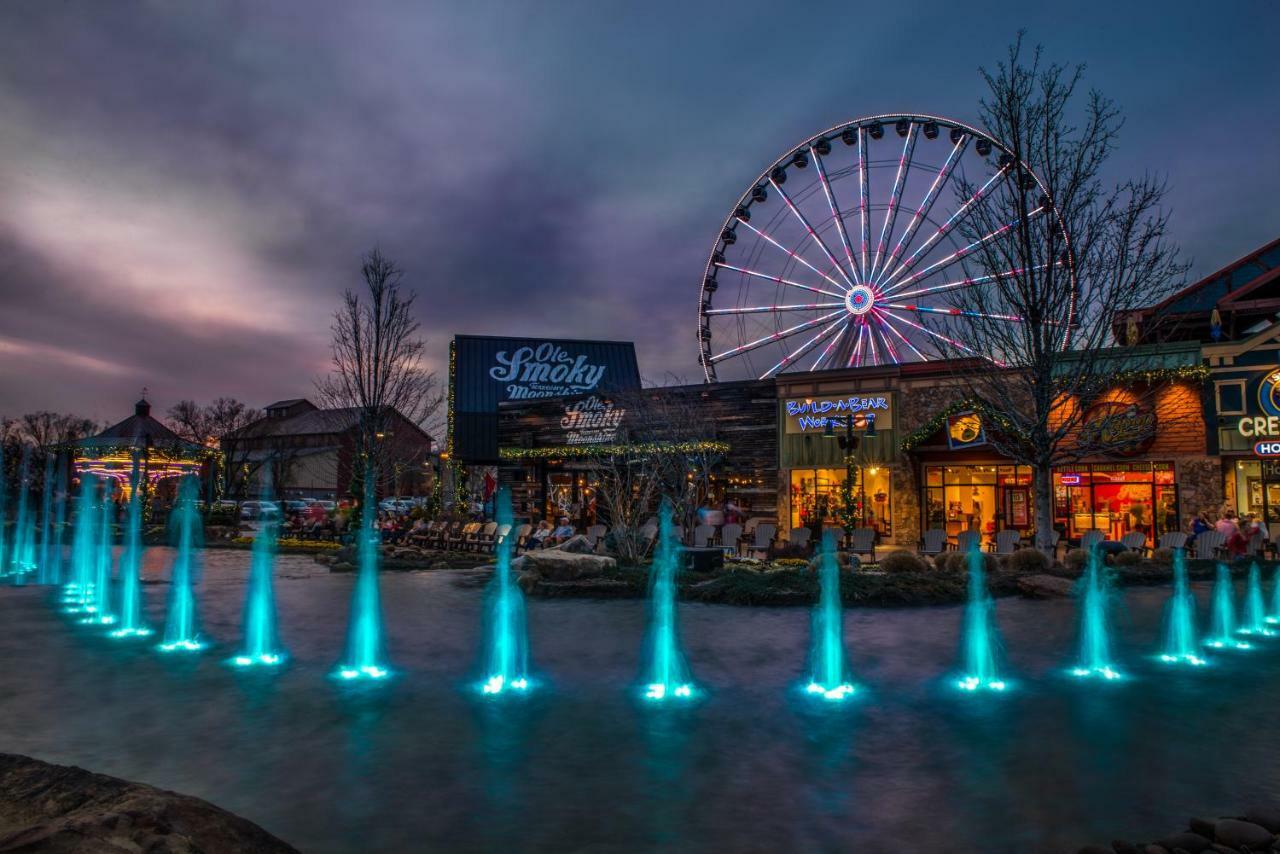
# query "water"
(47, 549)
(666, 673)
(1095, 632)
(1181, 643)
(507, 655)
(78, 595)
(1223, 620)
(980, 639)
(51, 566)
(424, 764)
(1274, 616)
(364, 657)
(4, 517)
(23, 555)
(181, 628)
(828, 672)
(261, 646)
(1255, 606)
(101, 606)
(133, 622)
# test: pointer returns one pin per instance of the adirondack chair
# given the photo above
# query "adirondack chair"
(500, 536)
(863, 542)
(730, 535)
(702, 536)
(966, 540)
(1007, 541)
(934, 542)
(458, 536)
(522, 535)
(480, 537)
(799, 537)
(1134, 541)
(763, 537)
(1208, 543)
(1172, 540)
(1089, 539)
(595, 537)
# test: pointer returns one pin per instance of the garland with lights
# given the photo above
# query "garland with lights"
(1150, 376)
(639, 449)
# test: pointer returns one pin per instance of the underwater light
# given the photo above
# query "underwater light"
(181, 646)
(130, 633)
(839, 692)
(1107, 673)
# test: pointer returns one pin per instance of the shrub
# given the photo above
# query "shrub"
(903, 561)
(1028, 561)
(1127, 558)
(1163, 556)
(790, 562)
(1076, 559)
(948, 562)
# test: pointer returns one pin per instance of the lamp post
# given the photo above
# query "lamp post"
(865, 422)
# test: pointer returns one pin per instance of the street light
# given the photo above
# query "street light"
(866, 422)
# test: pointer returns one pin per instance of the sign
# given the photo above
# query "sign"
(1267, 448)
(1116, 427)
(591, 421)
(486, 371)
(964, 430)
(809, 414)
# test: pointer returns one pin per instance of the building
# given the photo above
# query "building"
(140, 443)
(310, 452)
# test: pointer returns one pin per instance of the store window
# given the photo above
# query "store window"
(817, 497)
(1116, 498)
(985, 497)
(1255, 485)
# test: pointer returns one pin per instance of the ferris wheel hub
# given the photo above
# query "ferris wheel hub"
(860, 299)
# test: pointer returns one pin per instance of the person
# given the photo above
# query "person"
(538, 538)
(562, 532)
(1236, 543)
(1197, 527)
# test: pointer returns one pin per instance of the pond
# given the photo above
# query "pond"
(422, 762)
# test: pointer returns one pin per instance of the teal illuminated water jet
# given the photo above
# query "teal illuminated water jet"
(46, 518)
(1095, 637)
(667, 673)
(828, 672)
(181, 630)
(261, 643)
(133, 623)
(100, 604)
(22, 558)
(507, 654)
(78, 594)
(363, 658)
(980, 640)
(51, 566)
(1181, 645)
(1274, 616)
(1255, 608)
(4, 518)
(1223, 629)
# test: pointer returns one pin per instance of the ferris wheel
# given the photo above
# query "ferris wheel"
(857, 247)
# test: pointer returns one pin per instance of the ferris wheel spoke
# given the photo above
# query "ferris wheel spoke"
(886, 320)
(746, 271)
(769, 309)
(835, 212)
(952, 311)
(864, 199)
(776, 336)
(899, 180)
(871, 341)
(797, 256)
(804, 348)
(926, 204)
(855, 358)
(889, 349)
(944, 263)
(831, 345)
(968, 282)
(804, 221)
(953, 342)
(945, 229)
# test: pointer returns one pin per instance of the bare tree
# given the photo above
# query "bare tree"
(1061, 253)
(217, 425)
(377, 365)
(45, 429)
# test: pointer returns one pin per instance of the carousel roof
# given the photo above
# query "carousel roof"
(140, 430)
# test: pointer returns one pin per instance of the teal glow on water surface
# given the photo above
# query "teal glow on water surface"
(363, 658)
(181, 628)
(100, 607)
(1181, 643)
(828, 670)
(1254, 619)
(506, 634)
(261, 644)
(1223, 627)
(1095, 657)
(666, 673)
(980, 640)
(1274, 615)
(22, 559)
(133, 622)
(78, 594)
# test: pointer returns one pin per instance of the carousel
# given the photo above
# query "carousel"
(160, 456)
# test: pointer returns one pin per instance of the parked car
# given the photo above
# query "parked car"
(295, 506)
(329, 506)
(259, 510)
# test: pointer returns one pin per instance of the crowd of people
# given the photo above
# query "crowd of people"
(1236, 532)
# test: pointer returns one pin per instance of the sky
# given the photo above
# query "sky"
(186, 188)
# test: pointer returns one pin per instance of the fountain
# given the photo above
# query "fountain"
(78, 594)
(363, 658)
(1095, 642)
(46, 517)
(981, 639)
(1181, 646)
(828, 675)
(51, 567)
(4, 562)
(1274, 616)
(667, 673)
(261, 644)
(99, 603)
(133, 622)
(181, 632)
(507, 658)
(22, 558)
(1224, 613)
(1255, 608)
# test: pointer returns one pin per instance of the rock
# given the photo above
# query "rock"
(1044, 587)
(1120, 846)
(589, 588)
(1202, 826)
(576, 544)
(1155, 849)
(342, 566)
(1235, 833)
(527, 581)
(1192, 843)
(558, 565)
(1096, 849)
(1268, 817)
(68, 810)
